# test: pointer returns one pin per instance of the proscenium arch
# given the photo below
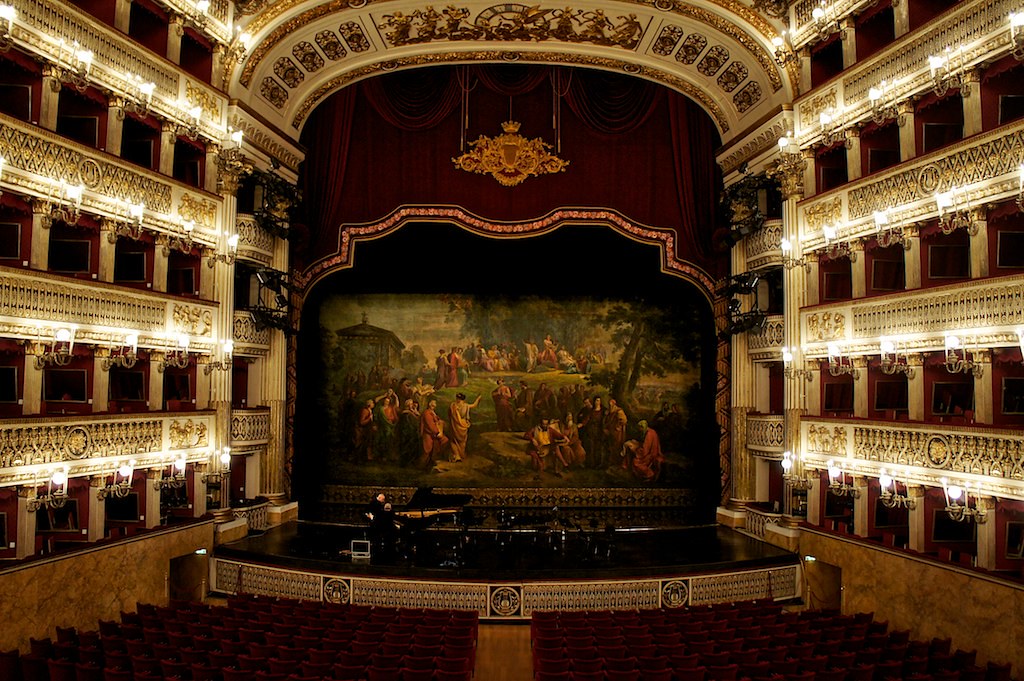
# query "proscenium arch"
(284, 29)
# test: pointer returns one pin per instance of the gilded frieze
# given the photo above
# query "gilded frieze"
(188, 434)
(306, 54)
(826, 441)
(201, 211)
(810, 110)
(749, 585)
(665, 44)
(747, 97)
(28, 445)
(192, 319)
(273, 92)
(732, 76)
(713, 61)
(825, 326)
(691, 49)
(199, 96)
(259, 138)
(330, 45)
(287, 71)
(828, 212)
(246, 333)
(250, 426)
(352, 33)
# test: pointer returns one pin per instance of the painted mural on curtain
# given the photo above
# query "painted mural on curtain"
(464, 391)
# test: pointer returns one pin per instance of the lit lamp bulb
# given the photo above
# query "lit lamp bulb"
(787, 465)
(786, 245)
(935, 63)
(225, 457)
(126, 470)
(59, 478)
(887, 346)
(184, 341)
(818, 13)
(787, 356)
(833, 470)
(829, 232)
(179, 464)
(233, 242)
(884, 479)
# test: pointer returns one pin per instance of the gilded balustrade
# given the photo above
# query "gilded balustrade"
(250, 427)
(763, 249)
(989, 458)
(254, 243)
(766, 345)
(766, 433)
(757, 521)
(91, 445)
(250, 340)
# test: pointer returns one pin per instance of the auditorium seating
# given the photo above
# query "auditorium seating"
(257, 639)
(755, 641)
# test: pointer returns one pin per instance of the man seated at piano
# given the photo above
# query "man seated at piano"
(383, 527)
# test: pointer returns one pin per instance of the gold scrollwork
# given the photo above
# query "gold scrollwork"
(200, 211)
(196, 96)
(186, 433)
(509, 158)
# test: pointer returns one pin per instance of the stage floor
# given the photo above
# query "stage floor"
(553, 550)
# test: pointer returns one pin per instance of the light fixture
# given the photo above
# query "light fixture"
(945, 74)
(129, 223)
(889, 493)
(79, 62)
(63, 204)
(7, 16)
(792, 474)
(830, 124)
(883, 103)
(139, 95)
(958, 359)
(788, 261)
(191, 119)
(231, 162)
(837, 482)
(892, 360)
(822, 23)
(178, 358)
(834, 248)
(1020, 186)
(239, 45)
(228, 257)
(791, 161)
(224, 363)
(958, 503)
(791, 372)
(174, 478)
(57, 351)
(120, 484)
(196, 13)
(56, 492)
(838, 365)
(1017, 35)
(225, 467)
(886, 233)
(954, 208)
(181, 242)
(124, 355)
(784, 52)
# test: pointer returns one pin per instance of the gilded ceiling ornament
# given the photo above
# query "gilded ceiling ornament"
(509, 158)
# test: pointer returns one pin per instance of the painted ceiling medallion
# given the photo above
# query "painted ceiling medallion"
(509, 158)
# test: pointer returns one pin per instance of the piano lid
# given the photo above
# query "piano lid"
(426, 498)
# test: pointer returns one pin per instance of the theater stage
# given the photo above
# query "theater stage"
(508, 570)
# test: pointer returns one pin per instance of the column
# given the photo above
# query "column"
(860, 506)
(915, 517)
(39, 259)
(908, 132)
(861, 398)
(912, 258)
(161, 251)
(979, 244)
(805, 69)
(901, 17)
(853, 160)
(794, 282)
(983, 403)
(744, 465)
(115, 126)
(97, 509)
(25, 542)
(813, 281)
(986, 536)
(848, 34)
(33, 384)
(108, 246)
(100, 381)
(858, 269)
(50, 96)
(168, 135)
(152, 509)
(915, 387)
(199, 488)
(814, 390)
(175, 31)
(217, 70)
(210, 179)
(814, 499)
(156, 382)
(809, 186)
(970, 94)
(122, 15)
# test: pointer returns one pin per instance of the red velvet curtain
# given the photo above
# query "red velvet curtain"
(609, 103)
(697, 176)
(329, 130)
(414, 100)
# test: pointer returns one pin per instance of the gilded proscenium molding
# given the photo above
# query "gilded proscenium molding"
(768, 342)
(988, 310)
(249, 340)
(352, 234)
(254, 243)
(749, 148)
(99, 311)
(922, 453)
(267, 142)
(766, 433)
(987, 163)
(250, 427)
(91, 445)
(668, 79)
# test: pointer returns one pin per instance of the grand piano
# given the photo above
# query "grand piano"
(427, 506)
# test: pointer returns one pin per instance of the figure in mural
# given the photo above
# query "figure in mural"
(591, 423)
(409, 432)
(644, 458)
(458, 420)
(433, 441)
(543, 443)
(531, 355)
(504, 413)
(549, 353)
(545, 404)
(421, 391)
(362, 436)
(385, 417)
(524, 406)
(443, 370)
(572, 450)
(614, 428)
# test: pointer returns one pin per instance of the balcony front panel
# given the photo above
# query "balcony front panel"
(250, 428)
(766, 345)
(250, 340)
(254, 243)
(763, 248)
(766, 434)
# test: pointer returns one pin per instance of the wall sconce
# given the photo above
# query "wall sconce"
(893, 361)
(197, 13)
(224, 363)
(789, 370)
(57, 352)
(79, 60)
(124, 355)
(835, 249)
(178, 358)
(129, 223)
(56, 492)
(7, 16)
(887, 234)
(958, 358)
(792, 473)
(954, 209)
(182, 242)
(822, 24)
(784, 53)
(889, 492)
(231, 160)
(883, 103)
(837, 482)
(239, 45)
(962, 511)
(174, 478)
(66, 208)
(838, 365)
(228, 258)
(830, 124)
(225, 468)
(788, 261)
(1017, 35)
(139, 95)
(946, 75)
(191, 117)
(118, 488)
(791, 161)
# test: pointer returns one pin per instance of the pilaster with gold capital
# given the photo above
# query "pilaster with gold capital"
(970, 95)
(168, 136)
(175, 32)
(979, 244)
(39, 259)
(861, 394)
(916, 518)
(986, 535)
(858, 269)
(97, 509)
(915, 387)
(49, 97)
(853, 164)
(108, 248)
(912, 257)
(984, 408)
(908, 130)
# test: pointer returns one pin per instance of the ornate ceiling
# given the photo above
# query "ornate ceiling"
(718, 52)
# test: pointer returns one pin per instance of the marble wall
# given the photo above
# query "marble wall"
(80, 589)
(930, 600)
